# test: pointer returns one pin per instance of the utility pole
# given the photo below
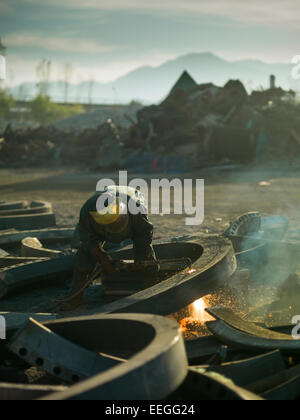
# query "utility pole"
(68, 71)
(90, 92)
(43, 72)
(2, 47)
(2, 64)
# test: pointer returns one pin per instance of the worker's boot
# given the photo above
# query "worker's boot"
(79, 281)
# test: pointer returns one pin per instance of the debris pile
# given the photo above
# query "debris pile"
(194, 127)
(207, 124)
(49, 145)
(122, 116)
(137, 356)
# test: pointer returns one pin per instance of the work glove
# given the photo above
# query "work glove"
(104, 259)
(151, 270)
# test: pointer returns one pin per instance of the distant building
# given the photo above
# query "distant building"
(272, 95)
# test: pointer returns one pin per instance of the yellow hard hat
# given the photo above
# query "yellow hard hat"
(110, 214)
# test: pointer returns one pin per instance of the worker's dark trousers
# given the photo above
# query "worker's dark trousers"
(84, 262)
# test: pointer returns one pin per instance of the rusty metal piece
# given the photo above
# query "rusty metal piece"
(201, 349)
(15, 320)
(28, 221)
(47, 236)
(18, 392)
(32, 247)
(172, 265)
(43, 272)
(282, 385)
(233, 330)
(213, 264)
(130, 277)
(250, 370)
(13, 205)
(39, 346)
(10, 261)
(153, 347)
(245, 224)
(287, 391)
(36, 207)
(3, 253)
(210, 386)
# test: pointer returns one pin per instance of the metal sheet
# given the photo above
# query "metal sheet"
(39, 346)
(247, 371)
(214, 265)
(201, 348)
(36, 207)
(287, 391)
(153, 345)
(13, 205)
(15, 320)
(203, 386)
(225, 314)
(16, 392)
(244, 341)
(16, 278)
(31, 247)
(30, 221)
(47, 236)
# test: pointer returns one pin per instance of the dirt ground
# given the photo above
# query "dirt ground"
(228, 194)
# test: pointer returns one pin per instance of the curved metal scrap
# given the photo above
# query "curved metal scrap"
(39, 346)
(28, 221)
(235, 331)
(13, 205)
(10, 261)
(248, 371)
(210, 386)
(31, 247)
(153, 346)
(251, 232)
(13, 279)
(3, 253)
(47, 236)
(16, 392)
(282, 385)
(254, 256)
(201, 348)
(287, 391)
(36, 207)
(245, 224)
(15, 320)
(214, 265)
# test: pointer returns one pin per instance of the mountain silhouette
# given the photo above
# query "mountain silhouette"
(151, 84)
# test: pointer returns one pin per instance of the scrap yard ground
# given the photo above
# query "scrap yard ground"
(228, 194)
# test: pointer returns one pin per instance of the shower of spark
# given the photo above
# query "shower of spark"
(197, 315)
(198, 311)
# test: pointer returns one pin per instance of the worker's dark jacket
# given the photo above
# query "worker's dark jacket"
(91, 234)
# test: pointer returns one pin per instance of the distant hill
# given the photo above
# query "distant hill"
(151, 84)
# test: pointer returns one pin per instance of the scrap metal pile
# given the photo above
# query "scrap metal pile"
(194, 127)
(104, 352)
(207, 124)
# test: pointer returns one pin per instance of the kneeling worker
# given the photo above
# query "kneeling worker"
(106, 217)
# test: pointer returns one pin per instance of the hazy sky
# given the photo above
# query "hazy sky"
(104, 39)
